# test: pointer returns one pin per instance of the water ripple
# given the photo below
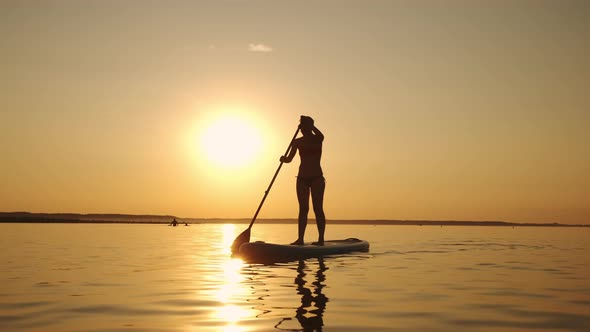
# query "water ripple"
(541, 320)
(149, 278)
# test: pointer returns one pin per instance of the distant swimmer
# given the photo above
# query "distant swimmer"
(174, 223)
(310, 178)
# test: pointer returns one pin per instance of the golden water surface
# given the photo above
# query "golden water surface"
(111, 277)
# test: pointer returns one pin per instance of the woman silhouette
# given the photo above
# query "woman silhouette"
(310, 177)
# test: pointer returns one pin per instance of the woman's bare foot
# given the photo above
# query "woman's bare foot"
(297, 243)
(319, 243)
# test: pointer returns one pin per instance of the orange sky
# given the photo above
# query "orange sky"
(431, 110)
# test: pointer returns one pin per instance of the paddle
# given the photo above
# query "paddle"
(244, 237)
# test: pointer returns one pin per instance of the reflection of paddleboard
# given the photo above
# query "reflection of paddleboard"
(262, 251)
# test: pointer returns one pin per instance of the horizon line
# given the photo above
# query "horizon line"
(47, 217)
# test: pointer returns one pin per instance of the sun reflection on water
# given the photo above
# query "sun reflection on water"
(232, 277)
(228, 234)
(231, 291)
(233, 315)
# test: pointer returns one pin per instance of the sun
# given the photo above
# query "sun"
(231, 142)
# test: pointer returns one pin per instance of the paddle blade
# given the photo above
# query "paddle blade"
(244, 237)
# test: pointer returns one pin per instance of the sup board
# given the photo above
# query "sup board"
(262, 251)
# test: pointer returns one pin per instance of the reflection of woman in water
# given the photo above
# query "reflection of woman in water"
(310, 177)
(315, 322)
(310, 320)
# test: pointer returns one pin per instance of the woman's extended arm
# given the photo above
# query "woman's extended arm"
(289, 157)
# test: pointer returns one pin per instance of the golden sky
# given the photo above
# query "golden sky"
(464, 110)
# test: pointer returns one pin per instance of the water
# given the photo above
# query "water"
(64, 277)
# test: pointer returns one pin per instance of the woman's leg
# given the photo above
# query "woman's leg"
(317, 197)
(303, 198)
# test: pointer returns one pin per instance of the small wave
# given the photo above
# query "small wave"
(24, 305)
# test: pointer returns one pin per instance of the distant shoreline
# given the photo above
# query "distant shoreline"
(72, 218)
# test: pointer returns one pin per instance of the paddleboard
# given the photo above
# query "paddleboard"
(262, 251)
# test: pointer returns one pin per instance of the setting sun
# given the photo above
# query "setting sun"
(230, 142)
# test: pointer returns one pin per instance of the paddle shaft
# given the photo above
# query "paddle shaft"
(273, 179)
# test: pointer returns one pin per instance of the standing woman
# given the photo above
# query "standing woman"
(310, 178)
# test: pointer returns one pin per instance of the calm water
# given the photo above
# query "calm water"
(60, 277)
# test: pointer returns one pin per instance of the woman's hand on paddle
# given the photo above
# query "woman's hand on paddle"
(290, 154)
